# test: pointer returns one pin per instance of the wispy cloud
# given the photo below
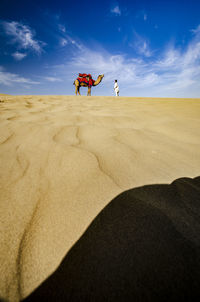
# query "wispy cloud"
(141, 14)
(173, 72)
(9, 79)
(62, 35)
(141, 45)
(116, 10)
(52, 79)
(75, 43)
(60, 32)
(196, 30)
(143, 48)
(19, 55)
(63, 42)
(62, 28)
(23, 36)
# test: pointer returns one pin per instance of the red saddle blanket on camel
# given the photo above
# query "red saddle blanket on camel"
(86, 78)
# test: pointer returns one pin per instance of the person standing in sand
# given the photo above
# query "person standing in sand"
(116, 88)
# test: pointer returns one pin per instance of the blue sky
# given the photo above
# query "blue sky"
(151, 47)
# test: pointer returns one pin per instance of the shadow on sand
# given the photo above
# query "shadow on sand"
(143, 246)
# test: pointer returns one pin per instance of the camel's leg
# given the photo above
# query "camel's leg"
(77, 90)
(89, 91)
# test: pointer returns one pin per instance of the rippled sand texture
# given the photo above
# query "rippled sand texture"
(63, 158)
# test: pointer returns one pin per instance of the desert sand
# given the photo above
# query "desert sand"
(64, 158)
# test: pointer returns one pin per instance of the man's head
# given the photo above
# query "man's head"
(115, 80)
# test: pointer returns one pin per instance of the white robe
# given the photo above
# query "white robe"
(116, 88)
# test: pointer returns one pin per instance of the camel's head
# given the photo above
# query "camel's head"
(99, 79)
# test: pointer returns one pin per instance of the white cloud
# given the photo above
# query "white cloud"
(63, 42)
(75, 43)
(174, 73)
(62, 28)
(19, 56)
(141, 14)
(169, 60)
(9, 79)
(196, 30)
(143, 48)
(66, 39)
(141, 45)
(116, 10)
(23, 36)
(52, 79)
(113, 66)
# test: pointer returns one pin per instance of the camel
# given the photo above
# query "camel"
(78, 85)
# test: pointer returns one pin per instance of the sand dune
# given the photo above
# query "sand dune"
(143, 246)
(64, 158)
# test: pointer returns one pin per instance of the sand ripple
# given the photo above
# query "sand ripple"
(62, 159)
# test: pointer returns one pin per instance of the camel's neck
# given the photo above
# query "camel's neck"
(99, 79)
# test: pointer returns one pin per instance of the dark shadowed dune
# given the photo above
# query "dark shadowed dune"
(143, 246)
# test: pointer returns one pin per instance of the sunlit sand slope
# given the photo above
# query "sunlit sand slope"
(64, 158)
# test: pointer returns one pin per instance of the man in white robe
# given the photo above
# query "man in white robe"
(116, 88)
